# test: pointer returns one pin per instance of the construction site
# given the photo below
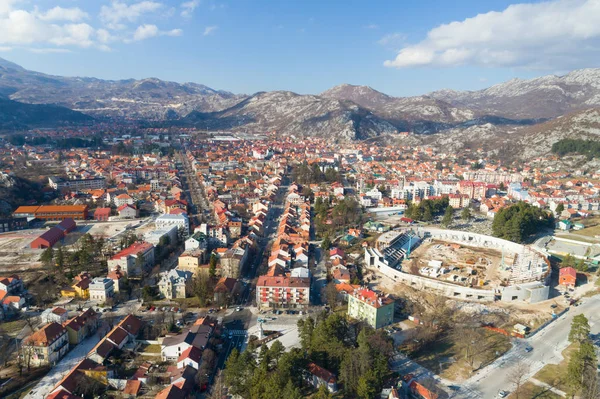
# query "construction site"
(462, 265)
(459, 264)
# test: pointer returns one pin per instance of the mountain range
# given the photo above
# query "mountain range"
(344, 112)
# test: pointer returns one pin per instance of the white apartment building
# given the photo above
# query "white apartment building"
(101, 288)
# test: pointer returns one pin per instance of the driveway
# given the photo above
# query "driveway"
(46, 384)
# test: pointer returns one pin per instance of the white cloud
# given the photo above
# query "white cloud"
(372, 26)
(64, 14)
(49, 50)
(189, 7)
(393, 40)
(173, 32)
(550, 35)
(118, 12)
(57, 29)
(144, 32)
(209, 30)
(4, 49)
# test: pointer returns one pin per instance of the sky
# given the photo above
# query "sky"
(400, 47)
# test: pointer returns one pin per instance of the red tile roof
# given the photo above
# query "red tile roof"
(133, 249)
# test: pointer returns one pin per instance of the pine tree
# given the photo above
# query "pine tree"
(212, 269)
(466, 214)
(448, 216)
(580, 329)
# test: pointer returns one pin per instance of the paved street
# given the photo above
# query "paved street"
(547, 347)
(319, 278)
(73, 357)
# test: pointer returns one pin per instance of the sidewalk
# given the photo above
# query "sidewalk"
(548, 387)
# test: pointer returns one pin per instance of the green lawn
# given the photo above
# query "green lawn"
(553, 374)
(153, 348)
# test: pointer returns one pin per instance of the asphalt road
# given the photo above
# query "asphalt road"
(547, 347)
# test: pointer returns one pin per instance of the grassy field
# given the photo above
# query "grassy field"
(12, 327)
(153, 348)
(553, 374)
(592, 227)
(530, 390)
(590, 240)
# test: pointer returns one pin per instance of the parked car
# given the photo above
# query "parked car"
(238, 309)
(503, 394)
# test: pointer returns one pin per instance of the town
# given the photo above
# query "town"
(175, 263)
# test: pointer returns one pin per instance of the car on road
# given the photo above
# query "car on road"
(528, 349)
(503, 394)
(238, 309)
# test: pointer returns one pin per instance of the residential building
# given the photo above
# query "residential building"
(375, 309)
(102, 214)
(196, 241)
(82, 326)
(233, 261)
(181, 221)
(175, 283)
(567, 277)
(12, 285)
(123, 199)
(191, 260)
(60, 184)
(127, 211)
(46, 346)
(173, 347)
(126, 260)
(101, 288)
(318, 376)
(282, 292)
(57, 315)
(225, 289)
(156, 236)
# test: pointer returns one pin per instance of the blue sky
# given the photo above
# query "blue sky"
(399, 47)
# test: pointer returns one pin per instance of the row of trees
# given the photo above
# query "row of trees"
(70, 142)
(425, 210)
(87, 254)
(519, 221)
(357, 354)
(582, 375)
(577, 264)
(331, 220)
(305, 174)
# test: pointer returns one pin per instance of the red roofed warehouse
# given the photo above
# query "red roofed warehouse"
(48, 239)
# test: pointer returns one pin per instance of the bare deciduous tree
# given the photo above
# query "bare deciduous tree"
(518, 376)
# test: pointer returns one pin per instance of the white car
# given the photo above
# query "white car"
(503, 394)
(238, 309)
